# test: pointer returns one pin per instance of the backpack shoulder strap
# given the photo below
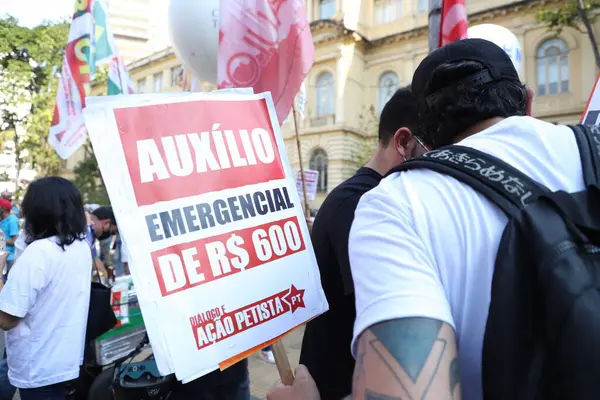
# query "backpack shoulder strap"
(502, 184)
(588, 141)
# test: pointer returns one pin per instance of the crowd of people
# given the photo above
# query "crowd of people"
(45, 315)
(406, 256)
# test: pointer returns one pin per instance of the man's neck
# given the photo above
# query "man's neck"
(478, 127)
(380, 163)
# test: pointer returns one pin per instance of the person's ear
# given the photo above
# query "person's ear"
(530, 97)
(404, 143)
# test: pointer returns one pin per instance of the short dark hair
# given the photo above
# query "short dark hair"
(105, 212)
(400, 111)
(53, 206)
(458, 107)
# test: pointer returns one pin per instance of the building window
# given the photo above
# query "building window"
(387, 11)
(552, 67)
(141, 85)
(157, 79)
(423, 5)
(318, 162)
(176, 76)
(326, 9)
(325, 93)
(388, 84)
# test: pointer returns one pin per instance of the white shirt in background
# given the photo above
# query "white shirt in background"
(20, 245)
(50, 290)
(124, 252)
(424, 244)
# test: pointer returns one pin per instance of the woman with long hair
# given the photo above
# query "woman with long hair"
(44, 305)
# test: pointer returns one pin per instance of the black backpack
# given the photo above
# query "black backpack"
(542, 338)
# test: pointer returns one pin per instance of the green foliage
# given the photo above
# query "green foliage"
(88, 179)
(369, 125)
(101, 79)
(576, 14)
(29, 62)
(567, 14)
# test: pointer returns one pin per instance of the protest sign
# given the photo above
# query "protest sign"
(311, 178)
(591, 114)
(205, 199)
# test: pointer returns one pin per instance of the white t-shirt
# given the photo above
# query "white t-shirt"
(20, 245)
(124, 252)
(50, 290)
(424, 244)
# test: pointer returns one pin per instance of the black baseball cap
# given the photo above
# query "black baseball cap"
(497, 63)
(105, 212)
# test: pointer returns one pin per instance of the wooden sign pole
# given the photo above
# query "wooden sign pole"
(283, 363)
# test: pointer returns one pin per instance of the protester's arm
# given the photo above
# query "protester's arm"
(404, 339)
(7, 321)
(101, 269)
(409, 358)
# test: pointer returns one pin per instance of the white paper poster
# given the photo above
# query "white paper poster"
(591, 115)
(207, 203)
(311, 180)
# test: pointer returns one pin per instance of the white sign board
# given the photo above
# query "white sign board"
(206, 201)
(311, 180)
(591, 115)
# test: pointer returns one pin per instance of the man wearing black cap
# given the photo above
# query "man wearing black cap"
(423, 245)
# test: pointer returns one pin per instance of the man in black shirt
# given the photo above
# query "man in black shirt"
(326, 343)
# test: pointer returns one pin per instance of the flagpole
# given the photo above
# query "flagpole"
(434, 21)
(306, 205)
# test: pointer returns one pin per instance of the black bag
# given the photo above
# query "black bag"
(542, 338)
(101, 317)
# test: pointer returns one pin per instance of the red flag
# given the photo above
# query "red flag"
(453, 25)
(266, 45)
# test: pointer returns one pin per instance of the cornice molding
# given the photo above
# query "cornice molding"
(477, 17)
(152, 58)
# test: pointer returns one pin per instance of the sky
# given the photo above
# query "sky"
(32, 12)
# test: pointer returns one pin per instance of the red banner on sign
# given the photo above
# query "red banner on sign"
(188, 149)
(187, 265)
(212, 330)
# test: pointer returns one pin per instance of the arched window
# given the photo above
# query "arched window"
(552, 67)
(325, 94)
(326, 9)
(318, 162)
(386, 11)
(388, 84)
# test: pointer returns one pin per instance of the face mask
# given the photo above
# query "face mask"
(103, 236)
